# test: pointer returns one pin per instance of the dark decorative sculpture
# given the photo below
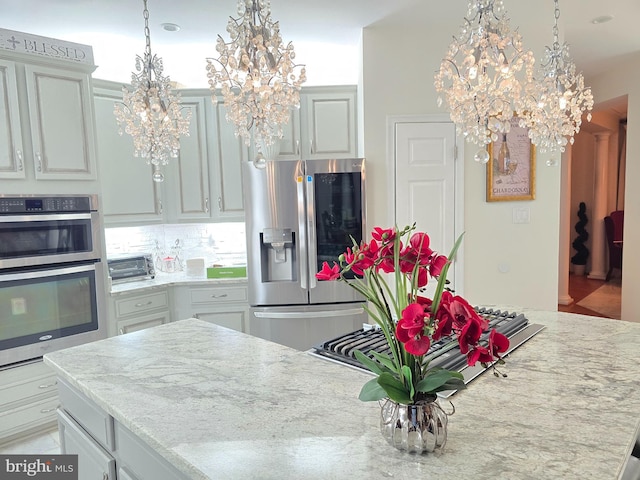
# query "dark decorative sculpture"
(582, 252)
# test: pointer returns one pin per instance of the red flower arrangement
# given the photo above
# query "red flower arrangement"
(405, 375)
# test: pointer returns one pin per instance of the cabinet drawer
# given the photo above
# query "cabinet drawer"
(142, 303)
(27, 417)
(97, 422)
(218, 295)
(25, 383)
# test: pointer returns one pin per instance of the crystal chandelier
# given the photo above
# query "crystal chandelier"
(151, 112)
(259, 81)
(556, 99)
(478, 77)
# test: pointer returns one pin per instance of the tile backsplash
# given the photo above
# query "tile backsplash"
(219, 243)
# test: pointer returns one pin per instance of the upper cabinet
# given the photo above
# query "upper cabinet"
(62, 123)
(47, 121)
(129, 195)
(11, 151)
(324, 127)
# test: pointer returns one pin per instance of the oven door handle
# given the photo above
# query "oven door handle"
(45, 218)
(47, 272)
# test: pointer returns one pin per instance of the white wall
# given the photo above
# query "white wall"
(398, 68)
(612, 84)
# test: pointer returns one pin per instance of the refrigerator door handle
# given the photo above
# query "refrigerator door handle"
(319, 314)
(311, 229)
(302, 233)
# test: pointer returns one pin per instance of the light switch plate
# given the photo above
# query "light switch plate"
(521, 214)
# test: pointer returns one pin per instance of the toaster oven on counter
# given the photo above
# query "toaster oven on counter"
(131, 267)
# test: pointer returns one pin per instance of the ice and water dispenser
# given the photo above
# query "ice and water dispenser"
(278, 255)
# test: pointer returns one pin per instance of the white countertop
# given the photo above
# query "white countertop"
(221, 404)
(171, 279)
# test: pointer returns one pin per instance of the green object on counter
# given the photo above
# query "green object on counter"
(226, 272)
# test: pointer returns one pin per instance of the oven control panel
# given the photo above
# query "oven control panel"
(49, 204)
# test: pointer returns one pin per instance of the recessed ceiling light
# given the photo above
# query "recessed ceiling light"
(602, 19)
(170, 27)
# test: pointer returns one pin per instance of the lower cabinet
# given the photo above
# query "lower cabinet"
(106, 449)
(224, 305)
(28, 400)
(137, 311)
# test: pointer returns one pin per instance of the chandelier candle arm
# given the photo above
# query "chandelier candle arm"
(256, 75)
(150, 111)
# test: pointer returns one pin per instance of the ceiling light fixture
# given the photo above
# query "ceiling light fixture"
(150, 112)
(259, 80)
(602, 19)
(556, 98)
(478, 77)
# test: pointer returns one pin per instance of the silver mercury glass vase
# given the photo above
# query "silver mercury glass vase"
(418, 428)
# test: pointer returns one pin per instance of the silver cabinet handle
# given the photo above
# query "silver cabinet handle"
(219, 296)
(297, 147)
(42, 387)
(196, 315)
(48, 410)
(19, 156)
(311, 146)
(138, 305)
(121, 331)
(220, 203)
(39, 159)
(160, 206)
(105, 476)
(206, 205)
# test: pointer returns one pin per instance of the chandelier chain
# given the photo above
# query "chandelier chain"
(147, 33)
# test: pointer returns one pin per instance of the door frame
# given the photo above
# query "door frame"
(392, 120)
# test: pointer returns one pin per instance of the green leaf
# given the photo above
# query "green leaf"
(453, 384)
(408, 376)
(372, 391)
(395, 389)
(436, 379)
(368, 363)
(386, 361)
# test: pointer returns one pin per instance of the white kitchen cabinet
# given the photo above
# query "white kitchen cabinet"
(137, 311)
(47, 120)
(224, 305)
(129, 194)
(62, 123)
(11, 150)
(29, 400)
(187, 177)
(324, 127)
(229, 152)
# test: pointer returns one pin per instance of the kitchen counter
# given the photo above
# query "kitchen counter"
(219, 404)
(171, 279)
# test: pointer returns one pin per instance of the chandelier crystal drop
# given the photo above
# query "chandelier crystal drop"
(150, 112)
(258, 78)
(556, 98)
(478, 77)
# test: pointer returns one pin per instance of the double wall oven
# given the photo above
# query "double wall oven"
(51, 275)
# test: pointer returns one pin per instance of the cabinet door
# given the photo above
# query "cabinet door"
(290, 141)
(62, 123)
(232, 317)
(11, 152)
(129, 195)
(93, 460)
(229, 153)
(330, 125)
(188, 175)
(140, 323)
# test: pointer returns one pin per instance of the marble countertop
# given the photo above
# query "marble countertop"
(220, 404)
(171, 279)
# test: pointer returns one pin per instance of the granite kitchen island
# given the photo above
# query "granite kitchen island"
(217, 404)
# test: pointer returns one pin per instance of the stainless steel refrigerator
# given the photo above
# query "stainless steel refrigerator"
(299, 214)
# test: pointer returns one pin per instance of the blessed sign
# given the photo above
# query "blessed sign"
(45, 47)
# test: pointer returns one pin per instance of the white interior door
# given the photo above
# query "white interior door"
(425, 182)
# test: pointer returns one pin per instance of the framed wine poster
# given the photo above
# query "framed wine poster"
(511, 171)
